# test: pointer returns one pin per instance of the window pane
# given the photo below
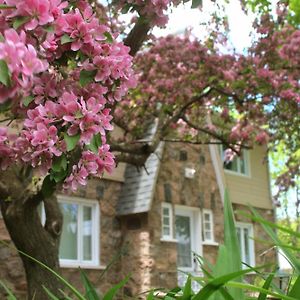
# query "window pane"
(166, 221)
(208, 235)
(207, 217)
(207, 226)
(232, 165)
(166, 231)
(68, 242)
(87, 233)
(166, 211)
(183, 236)
(247, 246)
(242, 165)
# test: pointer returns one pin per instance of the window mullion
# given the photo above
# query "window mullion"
(79, 244)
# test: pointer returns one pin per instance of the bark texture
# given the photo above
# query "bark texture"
(19, 206)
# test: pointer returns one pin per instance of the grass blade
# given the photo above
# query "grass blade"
(90, 292)
(266, 286)
(290, 257)
(111, 293)
(11, 296)
(214, 285)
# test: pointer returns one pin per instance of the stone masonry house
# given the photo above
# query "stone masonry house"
(148, 222)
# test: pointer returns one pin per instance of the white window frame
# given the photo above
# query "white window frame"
(95, 261)
(245, 157)
(211, 224)
(169, 237)
(249, 226)
(196, 236)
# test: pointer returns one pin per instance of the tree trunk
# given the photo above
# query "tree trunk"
(20, 213)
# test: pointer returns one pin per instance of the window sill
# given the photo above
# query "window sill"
(237, 173)
(169, 240)
(209, 243)
(82, 266)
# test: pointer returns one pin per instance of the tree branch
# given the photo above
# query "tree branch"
(137, 35)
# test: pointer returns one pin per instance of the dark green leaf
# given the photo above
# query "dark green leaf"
(27, 100)
(95, 143)
(1, 38)
(48, 187)
(109, 38)
(87, 77)
(58, 176)
(59, 163)
(71, 141)
(19, 21)
(4, 73)
(66, 39)
(5, 106)
(196, 3)
(295, 290)
(111, 293)
(126, 8)
(90, 292)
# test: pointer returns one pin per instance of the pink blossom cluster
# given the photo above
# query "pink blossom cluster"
(64, 67)
(90, 164)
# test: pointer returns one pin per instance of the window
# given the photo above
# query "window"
(239, 164)
(208, 230)
(167, 221)
(79, 244)
(188, 236)
(245, 238)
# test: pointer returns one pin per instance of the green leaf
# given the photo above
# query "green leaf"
(187, 290)
(59, 163)
(295, 290)
(1, 38)
(151, 296)
(19, 21)
(10, 296)
(109, 38)
(58, 176)
(95, 143)
(4, 6)
(66, 39)
(49, 28)
(87, 77)
(266, 286)
(217, 283)
(250, 287)
(50, 295)
(4, 73)
(196, 3)
(27, 100)
(71, 141)
(48, 187)
(5, 106)
(288, 254)
(230, 261)
(111, 293)
(90, 292)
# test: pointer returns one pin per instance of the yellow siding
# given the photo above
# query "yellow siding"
(253, 189)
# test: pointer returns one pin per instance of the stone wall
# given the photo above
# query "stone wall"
(104, 191)
(133, 242)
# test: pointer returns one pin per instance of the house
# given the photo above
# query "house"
(149, 222)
